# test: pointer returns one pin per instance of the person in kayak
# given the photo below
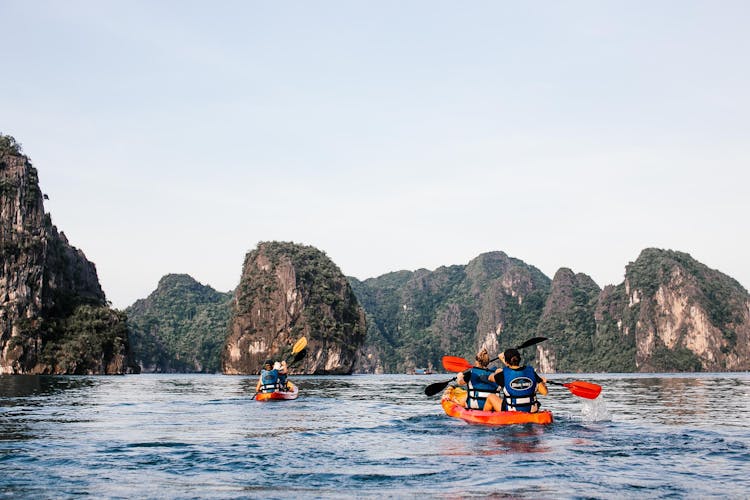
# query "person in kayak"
(519, 384)
(269, 378)
(282, 371)
(480, 387)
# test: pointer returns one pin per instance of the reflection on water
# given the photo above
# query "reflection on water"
(516, 439)
(18, 386)
(202, 436)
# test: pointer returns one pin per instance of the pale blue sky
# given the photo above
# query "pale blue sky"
(172, 137)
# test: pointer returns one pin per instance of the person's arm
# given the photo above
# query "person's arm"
(462, 377)
(541, 384)
(497, 377)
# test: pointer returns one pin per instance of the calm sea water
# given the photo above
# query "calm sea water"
(202, 436)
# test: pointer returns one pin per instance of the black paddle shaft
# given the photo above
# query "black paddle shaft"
(433, 389)
(528, 343)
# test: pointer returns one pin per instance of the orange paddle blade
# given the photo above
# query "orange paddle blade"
(584, 389)
(455, 364)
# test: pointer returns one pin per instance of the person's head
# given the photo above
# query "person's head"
(483, 358)
(512, 357)
(268, 364)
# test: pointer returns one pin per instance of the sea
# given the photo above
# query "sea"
(368, 436)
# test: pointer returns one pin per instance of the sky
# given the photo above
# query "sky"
(174, 136)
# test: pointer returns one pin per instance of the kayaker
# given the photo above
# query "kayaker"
(282, 371)
(477, 380)
(520, 384)
(269, 378)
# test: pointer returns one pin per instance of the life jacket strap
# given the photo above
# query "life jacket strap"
(512, 404)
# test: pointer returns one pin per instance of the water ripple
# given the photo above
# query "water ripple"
(202, 436)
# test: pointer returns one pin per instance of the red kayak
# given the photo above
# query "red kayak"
(291, 393)
(454, 399)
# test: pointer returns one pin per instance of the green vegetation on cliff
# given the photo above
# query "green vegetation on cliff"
(55, 315)
(568, 320)
(9, 145)
(614, 339)
(86, 341)
(415, 318)
(180, 327)
(719, 295)
(288, 291)
(327, 296)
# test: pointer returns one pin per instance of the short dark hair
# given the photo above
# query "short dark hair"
(512, 356)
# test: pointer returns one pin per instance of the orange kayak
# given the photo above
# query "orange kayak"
(453, 401)
(292, 393)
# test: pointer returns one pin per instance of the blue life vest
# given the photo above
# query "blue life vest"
(269, 380)
(479, 387)
(519, 389)
(282, 381)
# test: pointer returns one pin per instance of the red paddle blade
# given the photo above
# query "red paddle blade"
(584, 389)
(455, 364)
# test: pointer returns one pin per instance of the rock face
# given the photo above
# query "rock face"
(568, 317)
(53, 313)
(670, 314)
(289, 291)
(415, 318)
(685, 316)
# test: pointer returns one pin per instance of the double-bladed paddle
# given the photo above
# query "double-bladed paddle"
(456, 364)
(578, 387)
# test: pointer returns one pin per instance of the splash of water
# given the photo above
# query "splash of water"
(595, 410)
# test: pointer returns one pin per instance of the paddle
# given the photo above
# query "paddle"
(298, 357)
(578, 387)
(456, 364)
(299, 347)
(433, 389)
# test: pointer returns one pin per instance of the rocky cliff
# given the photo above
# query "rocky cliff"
(495, 301)
(180, 327)
(288, 291)
(53, 313)
(670, 314)
(568, 317)
(685, 316)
